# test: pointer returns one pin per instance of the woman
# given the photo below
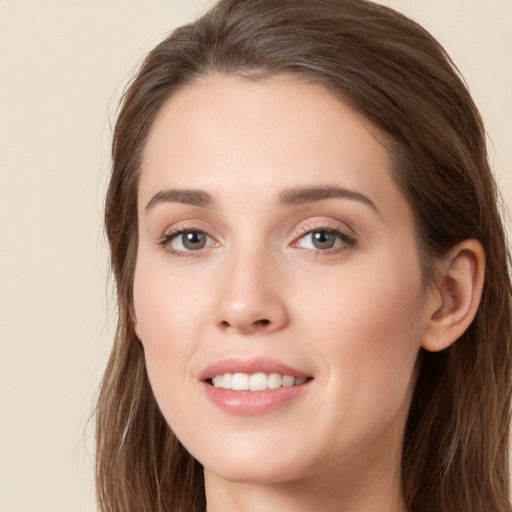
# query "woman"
(312, 275)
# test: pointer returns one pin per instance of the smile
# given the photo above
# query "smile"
(254, 386)
(256, 382)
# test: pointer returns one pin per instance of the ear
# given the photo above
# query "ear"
(454, 302)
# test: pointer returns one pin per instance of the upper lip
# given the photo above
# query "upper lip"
(250, 366)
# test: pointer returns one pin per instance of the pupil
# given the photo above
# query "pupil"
(323, 240)
(194, 240)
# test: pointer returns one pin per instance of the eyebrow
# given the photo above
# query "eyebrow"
(184, 196)
(304, 195)
(289, 197)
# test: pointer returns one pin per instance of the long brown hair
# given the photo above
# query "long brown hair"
(388, 68)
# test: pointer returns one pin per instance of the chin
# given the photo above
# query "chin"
(254, 464)
(248, 472)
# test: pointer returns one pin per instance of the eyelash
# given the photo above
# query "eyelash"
(347, 241)
(175, 233)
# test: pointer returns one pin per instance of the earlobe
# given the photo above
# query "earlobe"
(457, 296)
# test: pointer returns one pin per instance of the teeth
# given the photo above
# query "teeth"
(256, 381)
(217, 381)
(226, 380)
(288, 381)
(274, 381)
(240, 382)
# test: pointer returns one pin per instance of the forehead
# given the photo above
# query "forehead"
(226, 134)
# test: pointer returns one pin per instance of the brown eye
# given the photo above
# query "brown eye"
(192, 240)
(323, 239)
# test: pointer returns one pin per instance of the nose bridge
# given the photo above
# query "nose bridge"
(250, 298)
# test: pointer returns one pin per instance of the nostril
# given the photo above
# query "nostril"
(240, 325)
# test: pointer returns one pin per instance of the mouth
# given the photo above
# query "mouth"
(259, 381)
(256, 374)
(250, 387)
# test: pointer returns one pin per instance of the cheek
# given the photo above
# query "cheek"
(369, 327)
(168, 323)
(367, 303)
(168, 326)
(166, 305)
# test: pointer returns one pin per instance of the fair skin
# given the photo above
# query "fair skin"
(292, 246)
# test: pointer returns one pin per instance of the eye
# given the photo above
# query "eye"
(187, 241)
(324, 240)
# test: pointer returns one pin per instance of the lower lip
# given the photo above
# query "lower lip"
(252, 403)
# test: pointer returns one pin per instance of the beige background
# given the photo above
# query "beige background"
(62, 68)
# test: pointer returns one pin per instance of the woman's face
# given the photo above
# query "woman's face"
(274, 242)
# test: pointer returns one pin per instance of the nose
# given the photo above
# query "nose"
(251, 297)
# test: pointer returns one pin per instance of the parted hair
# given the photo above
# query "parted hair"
(394, 73)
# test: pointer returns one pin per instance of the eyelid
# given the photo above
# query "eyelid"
(324, 224)
(341, 230)
(174, 231)
(188, 225)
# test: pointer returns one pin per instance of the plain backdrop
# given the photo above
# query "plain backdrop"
(63, 66)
